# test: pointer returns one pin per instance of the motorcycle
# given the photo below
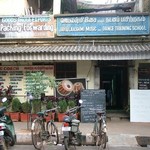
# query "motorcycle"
(7, 130)
(70, 128)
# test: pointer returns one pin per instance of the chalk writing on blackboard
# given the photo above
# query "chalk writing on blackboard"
(93, 101)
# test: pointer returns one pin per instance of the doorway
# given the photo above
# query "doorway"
(113, 78)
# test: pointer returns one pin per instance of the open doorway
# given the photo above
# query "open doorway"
(114, 80)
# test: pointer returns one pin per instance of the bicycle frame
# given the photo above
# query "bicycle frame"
(99, 130)
(43, 133)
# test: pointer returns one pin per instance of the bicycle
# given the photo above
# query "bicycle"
(100, 131)
(44, 133)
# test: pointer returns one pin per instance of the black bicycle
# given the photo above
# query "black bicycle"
(99, 132)
(44, 133)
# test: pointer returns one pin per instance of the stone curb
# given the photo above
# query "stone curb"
(24, 138)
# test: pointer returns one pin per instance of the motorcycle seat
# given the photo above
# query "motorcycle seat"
(67, 119)
(75, 121)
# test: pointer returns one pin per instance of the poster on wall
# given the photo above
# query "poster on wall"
(18, 77)
(70, 86)
(139, 105)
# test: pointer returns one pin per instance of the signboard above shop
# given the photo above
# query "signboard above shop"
(103, 25)
(27, 26)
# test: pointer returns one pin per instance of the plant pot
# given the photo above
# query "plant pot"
(50, 117)
(24, 117)
(15, 116)
(33, 116)
(61, 117)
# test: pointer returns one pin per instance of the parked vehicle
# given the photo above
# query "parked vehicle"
(7, 130)
(99, 132)
(70, 128)
(43, 132)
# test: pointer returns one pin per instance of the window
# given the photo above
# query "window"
(41, 6)
(65, 70)
(144, 76)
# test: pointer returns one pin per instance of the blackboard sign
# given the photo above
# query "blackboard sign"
(93, 101)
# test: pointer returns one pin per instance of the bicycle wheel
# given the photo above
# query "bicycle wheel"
(36, 133)
(98, 134)
(53, 133)
(97, 138)
(103, 140)
(29, 122)
(66, 143)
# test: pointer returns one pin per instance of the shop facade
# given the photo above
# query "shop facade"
(110, 52)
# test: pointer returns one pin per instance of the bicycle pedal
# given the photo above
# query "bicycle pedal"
(53, 135)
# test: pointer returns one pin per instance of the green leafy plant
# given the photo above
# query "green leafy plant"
(7, 104)
(16, 105)
(36, 106)
(38, 83)
(62, 104)
(49, 105)
(71, 103)
(25, 106)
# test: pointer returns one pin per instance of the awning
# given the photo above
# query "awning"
(126, 51)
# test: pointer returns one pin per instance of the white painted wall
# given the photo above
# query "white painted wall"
(56, 7)
(139, 105)
(13, 7)
(85, 69)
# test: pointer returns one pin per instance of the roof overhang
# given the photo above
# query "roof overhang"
(126, 51)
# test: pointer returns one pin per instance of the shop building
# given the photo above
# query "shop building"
(110, 51)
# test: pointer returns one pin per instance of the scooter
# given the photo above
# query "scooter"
(70, 128)
(7, 130)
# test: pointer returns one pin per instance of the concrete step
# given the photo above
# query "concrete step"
(117, 115)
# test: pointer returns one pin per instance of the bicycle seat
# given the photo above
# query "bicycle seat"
(100, 113)
(40, 114)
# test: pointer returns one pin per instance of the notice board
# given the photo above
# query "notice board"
(19, 77)
(140, 105)
(93, 101)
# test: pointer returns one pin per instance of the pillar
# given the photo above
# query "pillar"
(56, 7)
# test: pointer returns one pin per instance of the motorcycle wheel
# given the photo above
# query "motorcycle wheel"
(66, 143)
(13, 141)
(3, 145)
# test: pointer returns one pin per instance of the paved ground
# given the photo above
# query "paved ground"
(30, 147)
(121, 133)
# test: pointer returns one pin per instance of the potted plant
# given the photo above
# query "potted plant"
(40, 82)
(16, 108)
(62, 104)
(8, 108)
(71, 104)
(50, 115)
(36, 106)
(24, 115)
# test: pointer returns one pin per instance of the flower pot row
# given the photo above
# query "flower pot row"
(24, 117)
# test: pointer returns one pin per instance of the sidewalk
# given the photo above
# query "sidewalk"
(120, 132)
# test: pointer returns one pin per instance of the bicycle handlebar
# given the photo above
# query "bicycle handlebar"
(49, 110)
(73, 109)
